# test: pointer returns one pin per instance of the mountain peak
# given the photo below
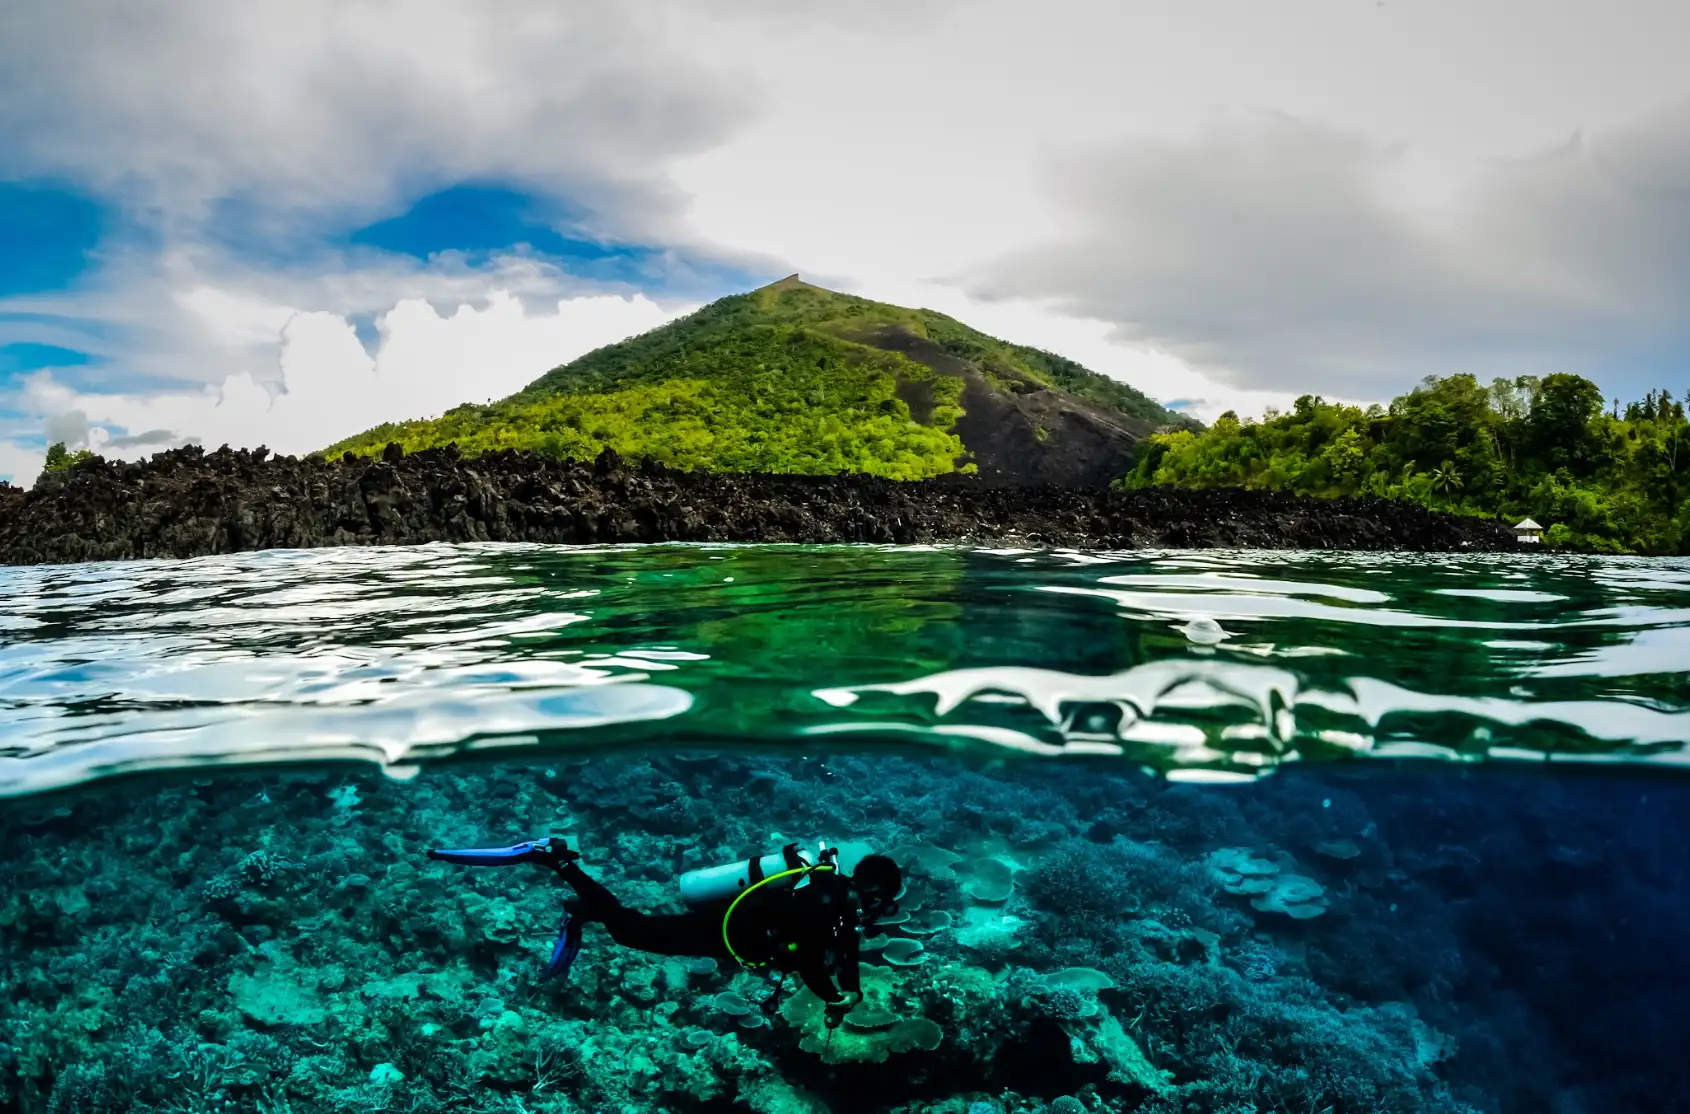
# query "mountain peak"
(793, 377)
(791, 282)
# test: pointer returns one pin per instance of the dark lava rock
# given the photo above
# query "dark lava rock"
(187, 503)
(11, 500)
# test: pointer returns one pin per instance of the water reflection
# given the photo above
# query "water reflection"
(1222, 664)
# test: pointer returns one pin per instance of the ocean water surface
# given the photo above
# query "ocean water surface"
(1181, 831)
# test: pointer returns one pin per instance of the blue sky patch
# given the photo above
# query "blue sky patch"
(59, 324)
(46, 234)
(478, 220)
(27, 356)
(364, 327)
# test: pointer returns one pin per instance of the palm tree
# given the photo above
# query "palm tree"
(1446, 479)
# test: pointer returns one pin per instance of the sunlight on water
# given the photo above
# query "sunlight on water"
(1203, 665)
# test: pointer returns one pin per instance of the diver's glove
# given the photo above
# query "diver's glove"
(836, 1011)
(551, 852)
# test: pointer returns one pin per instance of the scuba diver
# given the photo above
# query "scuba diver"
(783, 911)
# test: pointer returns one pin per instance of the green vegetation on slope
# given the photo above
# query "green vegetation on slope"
(788, 378)
(767, 398)
(1616, 481)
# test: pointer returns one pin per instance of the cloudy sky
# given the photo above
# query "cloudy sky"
(281, 222)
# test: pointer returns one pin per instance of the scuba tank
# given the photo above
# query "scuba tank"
(720, 883)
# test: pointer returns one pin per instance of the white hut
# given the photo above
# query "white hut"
(1528, 532)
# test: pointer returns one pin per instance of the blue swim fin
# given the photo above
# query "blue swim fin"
(548, 852)
(567, 948)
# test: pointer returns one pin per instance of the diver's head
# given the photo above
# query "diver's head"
(878, 882)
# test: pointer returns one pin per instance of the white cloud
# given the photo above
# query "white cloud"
(19, 465)
(1090, 341)
(330, 388)
(199, 315)
(924, 152)
(320, 106)
(1066, 157)
(1275, 253)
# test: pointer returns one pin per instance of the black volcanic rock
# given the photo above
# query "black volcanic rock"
(11, 499)
(187, 503)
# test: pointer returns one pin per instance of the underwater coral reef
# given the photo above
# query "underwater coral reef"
(1070, 940)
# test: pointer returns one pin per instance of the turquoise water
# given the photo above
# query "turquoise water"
(406, 655)
(1114, 738)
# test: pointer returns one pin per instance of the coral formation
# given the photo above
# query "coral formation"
(882, 1025)
(989, 881)
(253, 944)
(1295, 896)
(904, 952)
(1270, 890)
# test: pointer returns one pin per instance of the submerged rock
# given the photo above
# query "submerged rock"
(189, 503)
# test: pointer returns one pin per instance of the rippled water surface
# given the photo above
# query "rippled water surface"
(1205, 665)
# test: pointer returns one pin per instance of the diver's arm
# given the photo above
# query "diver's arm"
(828, 933)
(850, 967)
(812, 968)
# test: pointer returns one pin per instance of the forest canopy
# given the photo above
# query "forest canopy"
(1606, 478)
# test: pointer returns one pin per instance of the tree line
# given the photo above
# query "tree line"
(1598, 476)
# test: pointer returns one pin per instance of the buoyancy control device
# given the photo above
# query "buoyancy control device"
(710, 884)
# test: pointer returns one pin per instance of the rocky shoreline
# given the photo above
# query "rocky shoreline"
(189, 503)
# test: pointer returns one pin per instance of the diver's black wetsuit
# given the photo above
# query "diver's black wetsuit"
(811, 929)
